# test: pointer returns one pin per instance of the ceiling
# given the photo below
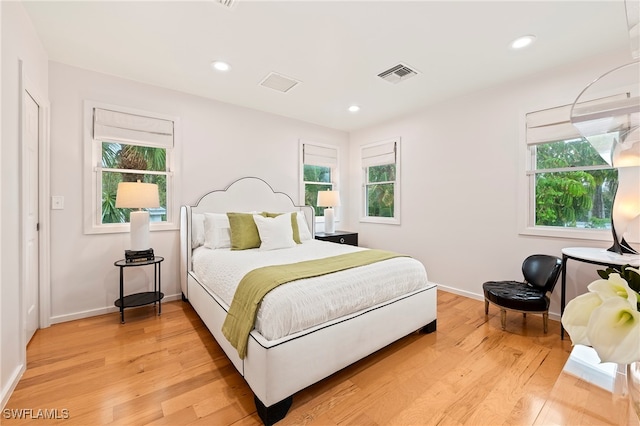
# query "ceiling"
(335, 49)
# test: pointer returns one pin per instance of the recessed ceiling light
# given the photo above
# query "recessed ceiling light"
(354, 108)
(522, 42)
(220, 66)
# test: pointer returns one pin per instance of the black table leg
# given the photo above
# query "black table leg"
(159, 288)
(563, 294)
(122, 295)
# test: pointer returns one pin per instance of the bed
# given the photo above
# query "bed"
(281, 347)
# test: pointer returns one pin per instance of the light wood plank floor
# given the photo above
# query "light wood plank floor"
(169, 370)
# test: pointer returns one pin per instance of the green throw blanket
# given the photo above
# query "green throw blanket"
(257, 283)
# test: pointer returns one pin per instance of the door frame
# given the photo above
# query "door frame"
(44, 253)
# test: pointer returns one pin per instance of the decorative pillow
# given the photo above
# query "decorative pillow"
(197, 230)
(303, 229)
(244, 233)
(275, 232)
(216, 231)
(294, 224)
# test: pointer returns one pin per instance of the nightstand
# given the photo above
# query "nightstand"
(340, 237)
(144, 298)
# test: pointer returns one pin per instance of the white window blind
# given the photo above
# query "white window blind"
(131, 128)
(554, 124)
(376, 155)
(320, 155)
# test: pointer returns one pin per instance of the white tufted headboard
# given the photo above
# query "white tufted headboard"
(244, 195)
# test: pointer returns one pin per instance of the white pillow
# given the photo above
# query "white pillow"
(275, 232)
(197, 230)
(303, 228)
(216, 231)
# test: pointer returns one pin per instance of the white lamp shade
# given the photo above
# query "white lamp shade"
(626, 206)
(328, 198)
(137, 195)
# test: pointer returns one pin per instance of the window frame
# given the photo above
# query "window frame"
(92, 196)
(334, 175)
(527, 185)
(364, 217)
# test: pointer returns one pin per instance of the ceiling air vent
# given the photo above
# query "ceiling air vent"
(279, 82)
(397, 74)
(226, 3)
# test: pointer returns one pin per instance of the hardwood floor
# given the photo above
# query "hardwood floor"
(169, 370)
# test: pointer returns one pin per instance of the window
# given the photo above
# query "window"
(132, 163)
(319, 172)
(570, 185)
(381, 178)
(124, 145)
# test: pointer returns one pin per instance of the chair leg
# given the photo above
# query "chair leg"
(545, 321)
(503, 318)
(524, 315)
(486, 307)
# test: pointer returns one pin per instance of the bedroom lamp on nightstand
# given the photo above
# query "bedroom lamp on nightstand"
(329, 199)
(138, 195)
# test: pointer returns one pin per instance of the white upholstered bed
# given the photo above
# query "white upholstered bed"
(278, 358)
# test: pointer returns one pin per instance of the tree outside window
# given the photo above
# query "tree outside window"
(574, 186)
(380, 190)
(132, 163)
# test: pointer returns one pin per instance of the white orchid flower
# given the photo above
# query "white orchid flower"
(614, 331)
(577, 313)
(615, 286)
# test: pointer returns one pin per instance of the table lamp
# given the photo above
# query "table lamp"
(329, 199)
(138, 195)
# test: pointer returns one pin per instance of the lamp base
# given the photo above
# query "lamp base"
(329, 221)
(139, 230)
(622, 247)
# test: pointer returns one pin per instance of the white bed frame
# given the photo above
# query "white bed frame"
(277, 369)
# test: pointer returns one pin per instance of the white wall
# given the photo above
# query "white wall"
(462, 162)
(220, 143)
(19, 42)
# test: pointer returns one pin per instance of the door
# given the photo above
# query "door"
(30, 215)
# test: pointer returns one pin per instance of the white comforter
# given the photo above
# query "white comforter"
(298, 305)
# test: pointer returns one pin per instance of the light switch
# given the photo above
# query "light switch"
(57, 202)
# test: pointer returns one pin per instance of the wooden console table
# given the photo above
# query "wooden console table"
(595, 256)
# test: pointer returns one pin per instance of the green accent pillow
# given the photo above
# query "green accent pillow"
(244, 232)
(294, 224)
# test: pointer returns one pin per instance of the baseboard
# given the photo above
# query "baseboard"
(460, 292)
(11, 384)
(552, 315)
(100, 311)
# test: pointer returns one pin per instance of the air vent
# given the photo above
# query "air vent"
(397, 74)
(226, 3)
(279, 82)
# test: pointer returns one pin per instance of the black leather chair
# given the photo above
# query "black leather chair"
(540, 273)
